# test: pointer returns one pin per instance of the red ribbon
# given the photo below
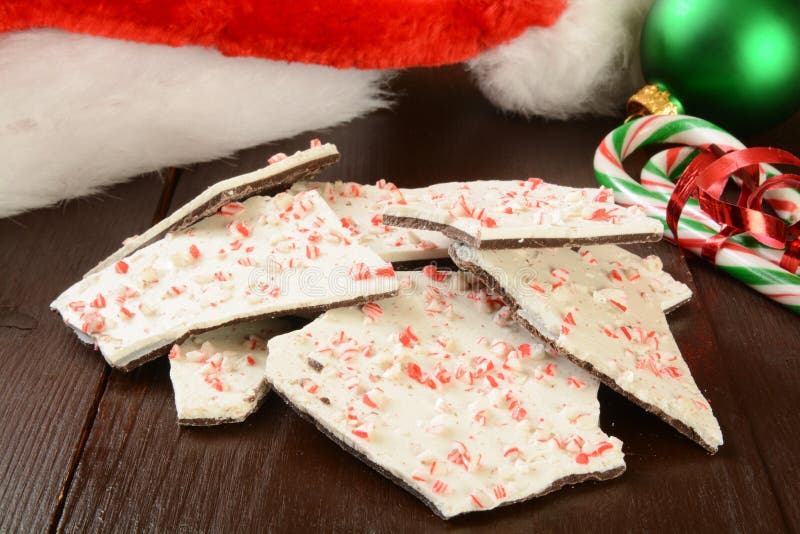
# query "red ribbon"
(706, 178)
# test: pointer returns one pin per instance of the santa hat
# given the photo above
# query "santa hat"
(94, 92)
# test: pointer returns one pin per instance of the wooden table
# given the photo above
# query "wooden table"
(83, 448)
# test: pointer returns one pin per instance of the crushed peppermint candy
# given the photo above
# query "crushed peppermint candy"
(359, 207)
(218, 376)
(469, 414)
(223, 196)
(607, 315)
(264, 266)
(522, 213)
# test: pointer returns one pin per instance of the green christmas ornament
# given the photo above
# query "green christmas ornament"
(734, 62)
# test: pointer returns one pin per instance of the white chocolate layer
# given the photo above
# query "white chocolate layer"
(605, 317)
(263, 257)
(443, 393)
(218, 376)
(488, 210)
(649, 269)
(228, 187)
(360, 208)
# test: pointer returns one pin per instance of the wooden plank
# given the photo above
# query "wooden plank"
(276, 472)
(759, 343)
(51, 381)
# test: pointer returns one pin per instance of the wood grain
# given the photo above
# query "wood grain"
(274, 472)
(51, 381)
(759, 342)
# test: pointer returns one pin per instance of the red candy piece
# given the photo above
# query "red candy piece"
(408, 338)
(387, 271)
(276, 158)
(174, 352)
(243, 229)
(431, 272)
(231, 209)
(414, 371)
(360, 271)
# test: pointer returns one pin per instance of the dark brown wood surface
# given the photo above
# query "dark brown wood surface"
(110, 444)
(51, 382)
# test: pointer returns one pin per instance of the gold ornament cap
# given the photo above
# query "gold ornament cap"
(651, 100)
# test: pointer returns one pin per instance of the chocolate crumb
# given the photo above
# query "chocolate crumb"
(325, 400)
(315, 365)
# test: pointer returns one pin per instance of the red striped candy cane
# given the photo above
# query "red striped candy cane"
(741, 256)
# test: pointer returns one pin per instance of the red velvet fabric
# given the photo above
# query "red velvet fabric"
(341, 33)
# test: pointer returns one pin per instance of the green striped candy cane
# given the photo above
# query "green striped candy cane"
(741, 256)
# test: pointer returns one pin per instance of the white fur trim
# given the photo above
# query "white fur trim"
(587, 62)
(80, 112)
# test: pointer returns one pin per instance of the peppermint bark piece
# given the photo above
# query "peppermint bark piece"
(264, 257)
(607, 321)
(280, 173)
(360, 208)
(622, 265)
(439, 392)
(218, 376)
(522, 214)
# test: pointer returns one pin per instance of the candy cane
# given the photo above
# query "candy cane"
(740, 256)
(660, 174)
(676, 129)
